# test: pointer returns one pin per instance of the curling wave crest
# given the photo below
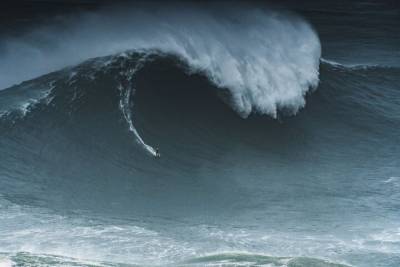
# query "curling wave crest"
(267, 60)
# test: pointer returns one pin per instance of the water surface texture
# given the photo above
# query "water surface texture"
(278, 128)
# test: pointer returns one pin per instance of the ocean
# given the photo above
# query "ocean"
(278, 128)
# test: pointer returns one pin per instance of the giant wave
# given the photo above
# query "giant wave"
(267, 60)
(227, 190)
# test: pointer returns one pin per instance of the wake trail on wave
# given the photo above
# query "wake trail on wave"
(126, 92)
(124, 106)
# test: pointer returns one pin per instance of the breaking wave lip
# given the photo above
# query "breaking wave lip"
(267, 60)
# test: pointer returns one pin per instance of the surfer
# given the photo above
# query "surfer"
(157, 153)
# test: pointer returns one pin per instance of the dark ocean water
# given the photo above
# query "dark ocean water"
(272, 154)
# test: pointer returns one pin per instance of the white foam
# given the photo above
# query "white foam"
(352, 66)
(267, 60)
(39, 232)
(5, 262)
(389, 236)
(393, 180)
(24, 107)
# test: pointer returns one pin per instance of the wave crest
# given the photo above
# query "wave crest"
(265, 59)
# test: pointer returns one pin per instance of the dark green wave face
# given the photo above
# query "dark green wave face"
(314, 183)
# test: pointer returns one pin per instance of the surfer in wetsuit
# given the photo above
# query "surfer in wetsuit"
(158, 153)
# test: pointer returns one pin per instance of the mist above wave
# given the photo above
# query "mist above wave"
(267, 60)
